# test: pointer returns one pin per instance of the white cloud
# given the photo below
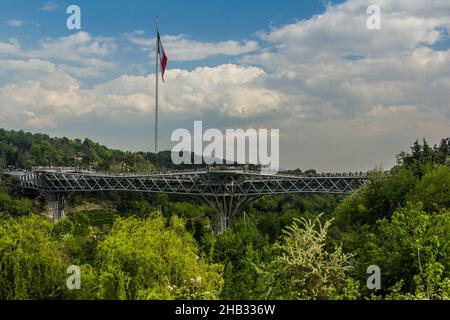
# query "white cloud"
(37, 68)
(50, 6)
(357, 88)
(14, 23)
(10, 47)
(33, 121)
(27, 65)
(79, 54)
(80, 47)
(338, 67)
(343, 96)
(180, 48)
(380, 110)
(229, 90)
(341, 31)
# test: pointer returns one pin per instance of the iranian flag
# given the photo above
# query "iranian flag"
(162, 57)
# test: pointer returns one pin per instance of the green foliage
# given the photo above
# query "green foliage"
(242, 250)
(273, 214)
(280, 250)
(422, 157)
(25, 150)
(81, 232)
(32, 264)
(438, 287)
(377, 199)
(151, 259)
(433, 190)
(299, 203)
(137, 208)
(196, 217)
(273, 223)
(147, 260)
(305, 268)
(401, 223)
(407, 245)
(15, 207)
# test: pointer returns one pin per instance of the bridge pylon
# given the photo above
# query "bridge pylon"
(57, 202)
(227, 208)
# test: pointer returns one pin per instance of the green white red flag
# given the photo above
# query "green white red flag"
(162, 57)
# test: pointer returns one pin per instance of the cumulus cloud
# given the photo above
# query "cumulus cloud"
(39, 68)
(10, 47)
(343, 96)
(80, 55)
(357, 87)
(27, 65)
(80, 47)
(341, 31)
(33, 121)
(182, 48)
(339, 67)
(227, 89)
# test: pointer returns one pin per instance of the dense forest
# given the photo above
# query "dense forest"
(283, 247)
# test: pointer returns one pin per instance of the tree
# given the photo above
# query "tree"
(377, 199)
(11, 206)
(433, 190)
(243, 251)
(305, 268)
(412, 247)
(32, 264)
(149, 260)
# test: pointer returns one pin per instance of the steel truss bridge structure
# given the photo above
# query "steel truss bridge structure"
(226, 191)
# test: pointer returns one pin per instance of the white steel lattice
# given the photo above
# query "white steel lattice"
(201, 183)
(226, 192)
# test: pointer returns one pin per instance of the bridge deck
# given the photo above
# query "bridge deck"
(203, 183)
(226, 191)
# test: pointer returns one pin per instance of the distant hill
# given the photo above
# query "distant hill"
(25, 150)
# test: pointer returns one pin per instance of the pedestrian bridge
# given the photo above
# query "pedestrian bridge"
(224, 190)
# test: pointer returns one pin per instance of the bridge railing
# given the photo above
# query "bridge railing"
(87, 171)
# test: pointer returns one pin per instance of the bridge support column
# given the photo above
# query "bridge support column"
(57, 201)
(226, 207)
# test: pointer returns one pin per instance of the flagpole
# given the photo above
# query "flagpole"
(156, 91)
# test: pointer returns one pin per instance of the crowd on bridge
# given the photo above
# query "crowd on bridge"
(238, 169)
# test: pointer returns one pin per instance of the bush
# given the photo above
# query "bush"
(149, 260)
(305, 269)
(32, 264)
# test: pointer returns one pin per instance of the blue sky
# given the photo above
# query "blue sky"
(206, 20)
(343, 96)
(201, 20)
